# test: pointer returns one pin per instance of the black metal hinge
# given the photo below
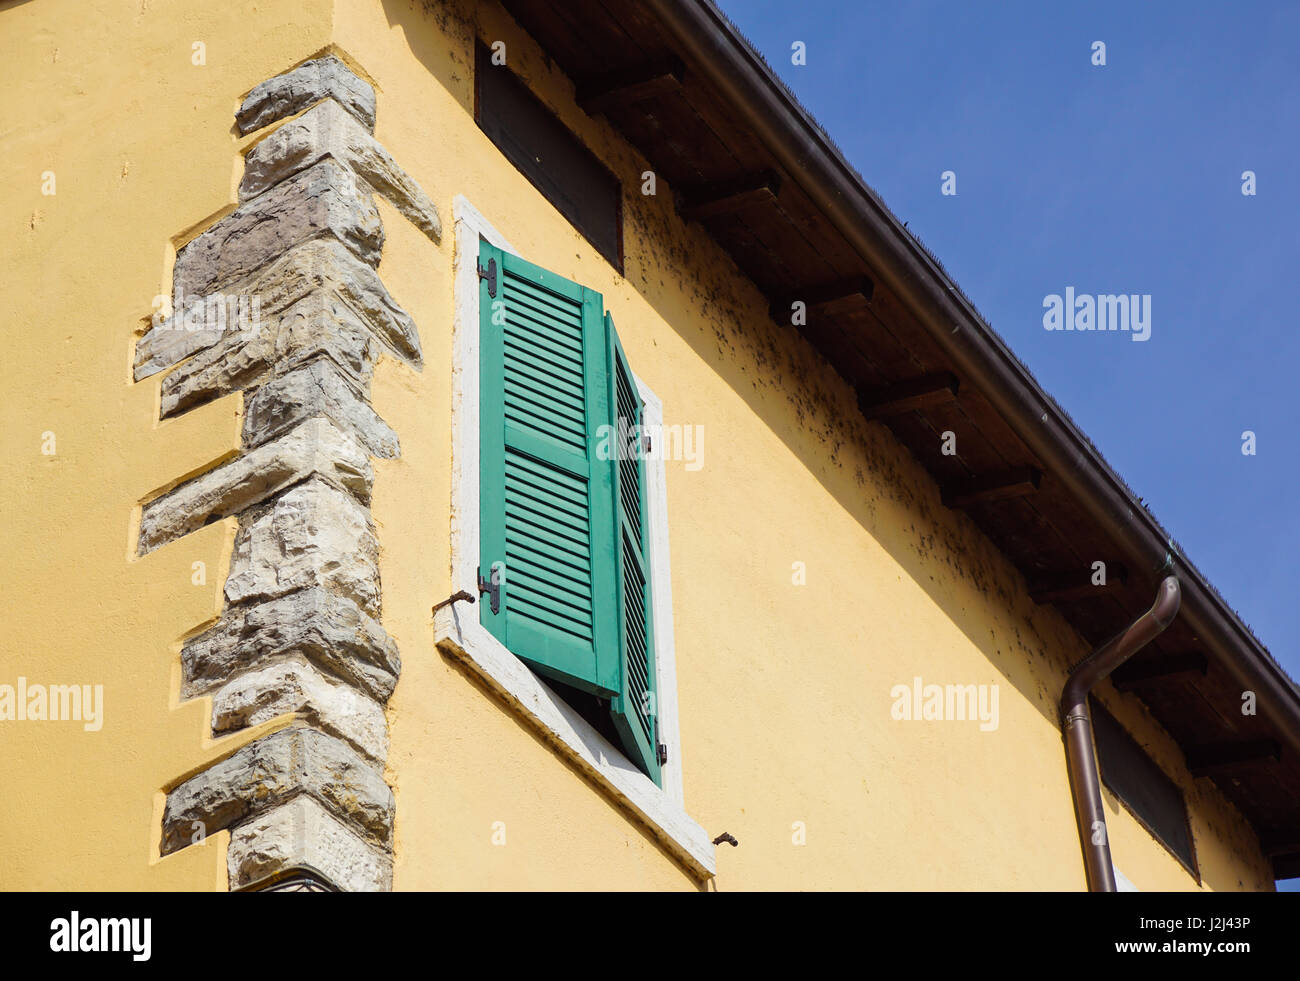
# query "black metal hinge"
(663, 754)
(493, 589)
(490, 274)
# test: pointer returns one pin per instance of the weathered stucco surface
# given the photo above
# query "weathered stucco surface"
(785, 704)
(784, 688)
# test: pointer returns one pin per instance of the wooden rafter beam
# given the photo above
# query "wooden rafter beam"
(1276, 843)
(1151, 672)
(597, 94)
(1076, 584)
(1286, 867)
(998, 486)
(727, 197)
(1204, 761)
(823, 299)
(906, 396)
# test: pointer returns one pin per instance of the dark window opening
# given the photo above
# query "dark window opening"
(550, 156)
(1142, 787)
(593, 709)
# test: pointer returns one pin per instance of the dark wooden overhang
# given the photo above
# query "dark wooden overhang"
(747, 161)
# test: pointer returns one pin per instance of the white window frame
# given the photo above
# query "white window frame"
(1122, 883)
(459, 634)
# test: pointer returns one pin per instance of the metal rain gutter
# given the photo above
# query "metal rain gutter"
(1076, 724)
(718, 54)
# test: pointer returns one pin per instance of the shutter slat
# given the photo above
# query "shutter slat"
(545, 599)
(524, 323)
(629, 469)
(542, 535)
(543, 478)
(574, 582)
(572, 526)
(543, 575)
(548, 400)
(544, 424)
(563, 365)
(546, 372)
(544, 614)
(544, 301)
(547, 506)
(568, 577)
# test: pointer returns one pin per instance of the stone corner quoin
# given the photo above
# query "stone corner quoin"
(301, 630)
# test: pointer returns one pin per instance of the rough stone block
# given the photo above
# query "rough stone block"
(270, 771)
(324, 200)
(321, 324)
(300, 833)
(233, 362)
(295, 90)
(330, 631)
(328, 131)
(165, 343)
(327, 266)
(293, 685)
(311, 535)
(315, 448)
(317, 326)
(315, 389)
(322, 291)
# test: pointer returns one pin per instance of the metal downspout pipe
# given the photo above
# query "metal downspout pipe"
(1076, 724)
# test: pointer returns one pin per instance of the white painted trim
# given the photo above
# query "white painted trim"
(464, 638)
(661, 598)
(1122, 884)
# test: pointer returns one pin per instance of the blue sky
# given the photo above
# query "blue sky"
(1123, 178)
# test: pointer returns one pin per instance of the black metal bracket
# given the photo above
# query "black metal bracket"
(493, 589)
(730, 840)
(490, 274)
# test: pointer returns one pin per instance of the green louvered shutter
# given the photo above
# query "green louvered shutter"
(635, 707)
(547, 504)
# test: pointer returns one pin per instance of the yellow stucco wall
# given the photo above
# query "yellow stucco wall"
(784, 689)
(139, 139)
